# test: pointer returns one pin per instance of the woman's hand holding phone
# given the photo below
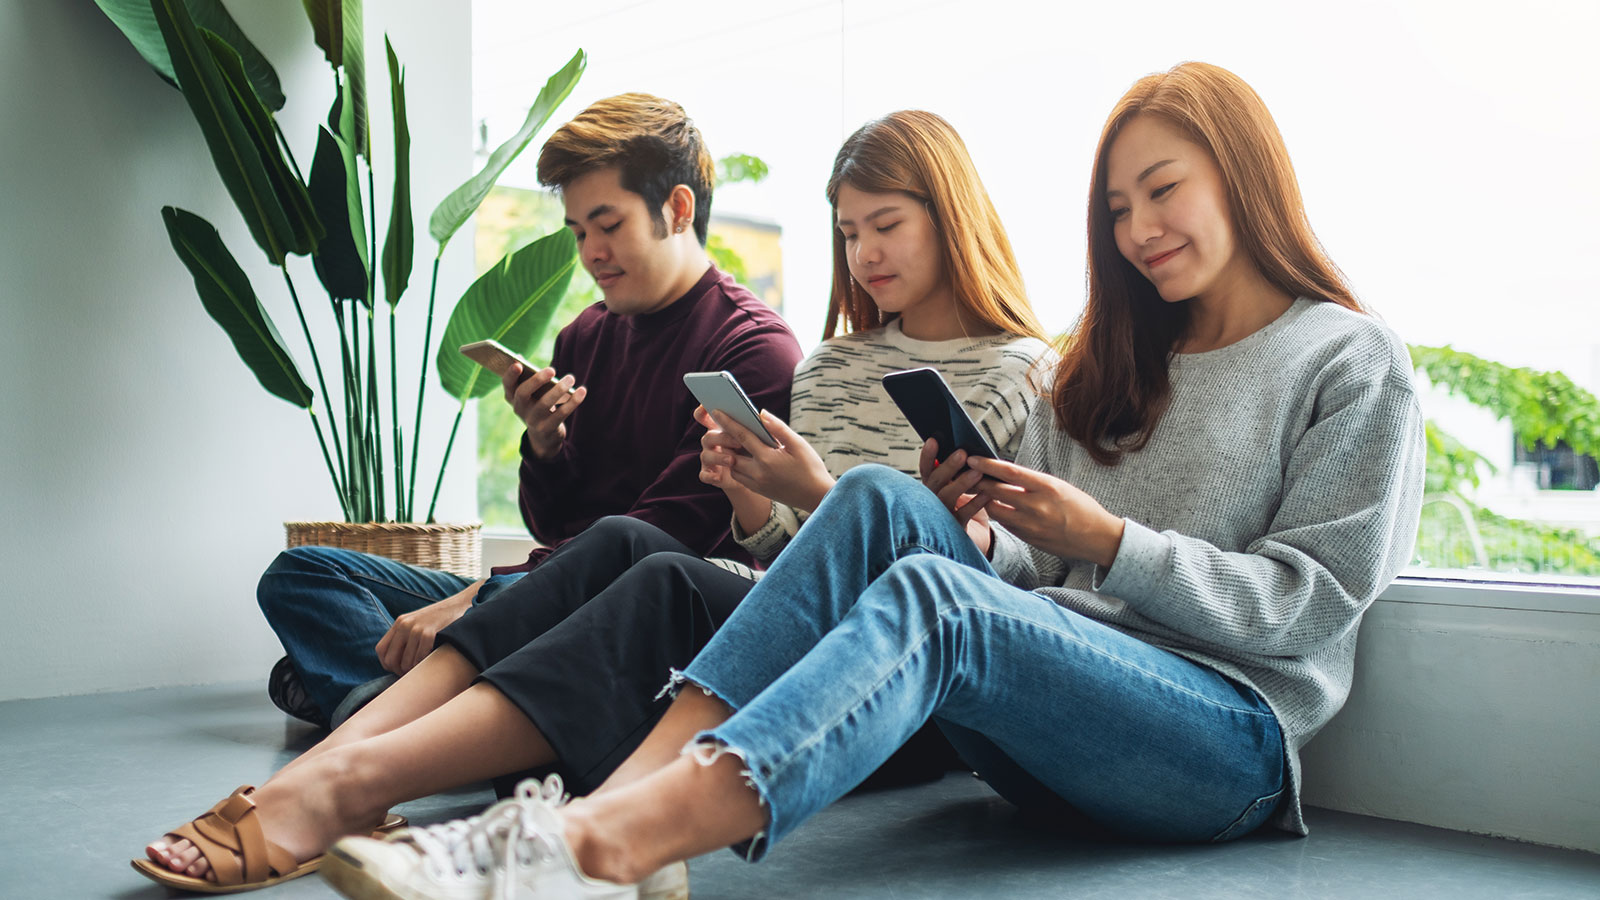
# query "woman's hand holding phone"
(956, 486)
(543, 403)
(791, 473)
(1046, 512)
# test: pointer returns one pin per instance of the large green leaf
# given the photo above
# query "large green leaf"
(228, 298)
(512, 303)
(347, 149)
(137, 21)
(337, 27)
(338, 260)
(461, 203)
(397, 247)
(327, 28)
(286, 184)
(232, 149)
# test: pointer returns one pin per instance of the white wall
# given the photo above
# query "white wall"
(145, 473)
(1475, 712)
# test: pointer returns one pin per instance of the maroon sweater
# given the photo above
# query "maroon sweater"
(633, 447)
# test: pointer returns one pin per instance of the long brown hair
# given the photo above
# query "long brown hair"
(1111, 386)
(918, 153)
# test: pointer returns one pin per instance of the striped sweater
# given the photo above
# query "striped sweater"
(839, 405)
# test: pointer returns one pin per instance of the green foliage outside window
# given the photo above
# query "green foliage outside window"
(1457, 532)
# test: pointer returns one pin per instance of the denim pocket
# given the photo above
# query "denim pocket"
(1251, 819)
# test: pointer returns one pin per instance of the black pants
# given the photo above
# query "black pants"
(584, 643)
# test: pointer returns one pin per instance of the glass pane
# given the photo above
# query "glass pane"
(1445, 157)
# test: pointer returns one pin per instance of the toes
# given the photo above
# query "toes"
(182, 855)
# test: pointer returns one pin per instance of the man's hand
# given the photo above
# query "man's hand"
(543, 404)
(410, 638)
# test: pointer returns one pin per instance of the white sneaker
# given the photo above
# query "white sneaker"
(515, 849)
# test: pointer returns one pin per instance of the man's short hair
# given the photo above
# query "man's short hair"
(651, 141)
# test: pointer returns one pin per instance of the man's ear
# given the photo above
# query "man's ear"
(680, 209)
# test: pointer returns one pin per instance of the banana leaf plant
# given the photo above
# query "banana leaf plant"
(234, 94)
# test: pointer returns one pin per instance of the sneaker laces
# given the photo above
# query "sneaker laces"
(517, 828)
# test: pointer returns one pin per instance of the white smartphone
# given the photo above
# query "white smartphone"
(720, 391)
(495, 356)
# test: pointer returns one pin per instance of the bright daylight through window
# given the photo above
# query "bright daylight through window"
(1445, 151)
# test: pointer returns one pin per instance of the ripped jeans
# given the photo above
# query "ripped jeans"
(881, 614)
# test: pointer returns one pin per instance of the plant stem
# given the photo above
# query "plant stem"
(358, 426)
(317, 363)
(349, 411)
(374, 414)
(402, 508)
(422, 379)
(332, 472)
(448, 444)
(374, 408)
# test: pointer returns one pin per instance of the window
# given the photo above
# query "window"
(1445, 153)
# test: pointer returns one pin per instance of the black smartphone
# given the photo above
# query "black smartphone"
(927, 403)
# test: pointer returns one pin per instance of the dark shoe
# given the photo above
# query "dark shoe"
(287, 693)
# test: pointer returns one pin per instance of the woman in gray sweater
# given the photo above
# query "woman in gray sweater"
(1135, 627)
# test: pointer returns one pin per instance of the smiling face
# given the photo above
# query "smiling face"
(640, 266)
(892, 250)
(1169, 212)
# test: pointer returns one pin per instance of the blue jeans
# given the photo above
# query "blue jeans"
(330, 607)
(882, 614)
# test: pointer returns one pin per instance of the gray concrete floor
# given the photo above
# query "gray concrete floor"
(85, 782)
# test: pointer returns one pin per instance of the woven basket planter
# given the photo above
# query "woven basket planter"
(457, 549)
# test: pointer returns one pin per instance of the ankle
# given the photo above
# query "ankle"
(350, 781)
(596, 853)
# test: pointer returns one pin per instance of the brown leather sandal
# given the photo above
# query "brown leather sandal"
(230, 838)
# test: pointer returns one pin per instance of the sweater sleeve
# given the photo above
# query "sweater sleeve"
(1352, 493)
(783, 521)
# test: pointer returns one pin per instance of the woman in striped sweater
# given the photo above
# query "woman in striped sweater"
(561, 671)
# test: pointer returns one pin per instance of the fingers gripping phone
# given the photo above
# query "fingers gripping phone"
(496, 357)
(720, 391)
(927, 403)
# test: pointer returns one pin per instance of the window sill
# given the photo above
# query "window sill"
(1530, 596)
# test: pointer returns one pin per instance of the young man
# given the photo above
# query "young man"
(609, 425)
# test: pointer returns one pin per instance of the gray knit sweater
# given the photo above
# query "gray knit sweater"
(1278, 495)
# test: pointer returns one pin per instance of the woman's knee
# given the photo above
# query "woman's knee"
(872, 479)
(621, 528)
(923, 582)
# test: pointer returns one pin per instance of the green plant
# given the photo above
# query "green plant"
(1456, 530)
(234, 93)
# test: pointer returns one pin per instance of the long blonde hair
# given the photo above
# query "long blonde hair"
(918, 153)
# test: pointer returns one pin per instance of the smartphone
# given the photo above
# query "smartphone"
(496, 357)
(720, 391)
(927, 403)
